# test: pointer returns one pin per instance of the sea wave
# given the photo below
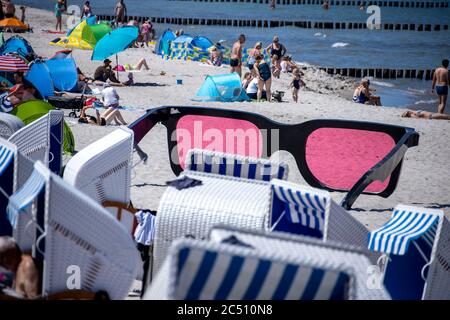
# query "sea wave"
(320, 34)
(421, 91)
(430, 101)
(382, 83)
(339, 44)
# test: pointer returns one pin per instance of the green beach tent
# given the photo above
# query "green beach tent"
(32, 110)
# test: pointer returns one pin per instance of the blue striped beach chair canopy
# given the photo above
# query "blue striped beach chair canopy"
(406, 225)
(204, 270)
(303, 206)
(416, 240)
(234, 165)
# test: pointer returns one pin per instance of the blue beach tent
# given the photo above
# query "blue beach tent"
(39, 76)
(18, 45)
(63, 73)
(223, 87)
(164, 42)
(202, 43)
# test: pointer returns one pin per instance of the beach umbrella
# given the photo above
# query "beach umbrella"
(84, 36)
(114, 42)
(12, 64)
(13, 24)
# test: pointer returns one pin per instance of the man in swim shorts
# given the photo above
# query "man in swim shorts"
(440, 84)
(236, 55)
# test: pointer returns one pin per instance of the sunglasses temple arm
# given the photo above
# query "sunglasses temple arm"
(381, 170)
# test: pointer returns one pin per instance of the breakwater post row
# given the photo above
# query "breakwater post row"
(381, 3)
(282, 23)
(381, 73)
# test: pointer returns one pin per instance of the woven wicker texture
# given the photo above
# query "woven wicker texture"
(220, 199)
(207, 270)
(308, 249)
(9, 124)
(102, 170)
(81, 233)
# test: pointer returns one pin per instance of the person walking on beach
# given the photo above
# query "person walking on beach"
(296, 83)
(87, 10)
(121, 12)
(264, 76)
(22, 16)
(276, 49)
(236, 56)
(10, 9)
(59, 8)
(440, 84)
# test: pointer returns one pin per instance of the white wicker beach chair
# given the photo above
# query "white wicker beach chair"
(102, 170)
(43, 140)
(308, 211)
(240, 202)
(9, 124)
(417, 244)
(207, 270)
(310, 249)
(81, 238)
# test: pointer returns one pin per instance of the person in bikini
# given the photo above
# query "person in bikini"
(420, 114)
(440, 84)
(236, 56)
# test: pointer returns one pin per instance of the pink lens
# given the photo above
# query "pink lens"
(339, 157)
(217, 134)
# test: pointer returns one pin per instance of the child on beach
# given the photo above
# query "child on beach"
(275, 66)
(59, 8)
(296, 83)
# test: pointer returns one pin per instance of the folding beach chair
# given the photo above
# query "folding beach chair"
(234, 190)
(9, 124)
(417, 244)
(308, 211)
(102, 170)
(207, 270)
(79, 242)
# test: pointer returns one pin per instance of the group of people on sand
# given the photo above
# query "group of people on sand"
(261, 72)
(363, 94)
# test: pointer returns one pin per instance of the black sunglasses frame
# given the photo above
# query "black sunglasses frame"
(292, 138)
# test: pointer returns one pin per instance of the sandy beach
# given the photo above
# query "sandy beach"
(424, 180)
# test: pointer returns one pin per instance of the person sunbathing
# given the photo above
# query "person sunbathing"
(19, 275)
(420, 114)
(110, 115)
(21, 93)
(128, 67)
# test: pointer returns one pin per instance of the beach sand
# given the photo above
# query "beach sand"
(424, 180)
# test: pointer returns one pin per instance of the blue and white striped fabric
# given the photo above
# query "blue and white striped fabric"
(6, 156)
(220, 275)
(301, 204)
(406, 225)
(234, 165)
(24, 197)
(145, 230)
